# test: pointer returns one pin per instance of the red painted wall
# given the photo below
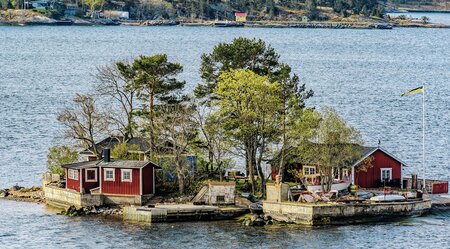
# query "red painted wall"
(381, 160)
(73, 184)
(121, 188)
(147, 180)
(89, 185)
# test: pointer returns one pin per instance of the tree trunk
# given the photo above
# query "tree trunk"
(250, 165)
(180, 177)
(211, 161)
(260, 171)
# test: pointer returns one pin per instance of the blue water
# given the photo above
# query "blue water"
(359, 72)
(34, 226)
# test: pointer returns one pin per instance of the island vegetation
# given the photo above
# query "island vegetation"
(249, 108)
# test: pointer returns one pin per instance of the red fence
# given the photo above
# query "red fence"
(440, 188)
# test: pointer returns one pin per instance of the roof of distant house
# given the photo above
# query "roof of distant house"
(240, 14)
(111, 142)
(112, 164)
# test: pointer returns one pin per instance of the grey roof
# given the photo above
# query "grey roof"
(126, 164)
(111, 142)
(129, 164)
(81, 165)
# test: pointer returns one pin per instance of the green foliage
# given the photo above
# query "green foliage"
(242, 53)
(60, 155)
(246, 100)
(124, 151)
(154, 79)
(333, 144)
(94, 4)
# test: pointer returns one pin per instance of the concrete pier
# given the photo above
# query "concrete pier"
(180, 212)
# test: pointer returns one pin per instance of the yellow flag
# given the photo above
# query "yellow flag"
(415, 90)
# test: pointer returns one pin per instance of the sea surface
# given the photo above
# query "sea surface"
(359, 72)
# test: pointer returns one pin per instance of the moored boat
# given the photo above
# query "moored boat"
(335, 186)
(387, 198)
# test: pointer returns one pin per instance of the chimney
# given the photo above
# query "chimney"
(106, 155)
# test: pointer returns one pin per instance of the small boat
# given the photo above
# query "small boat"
(387, 198)
(227, 24)
(335, 186)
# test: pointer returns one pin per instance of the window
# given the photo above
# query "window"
(73, 174)
(345, 175)
(91, 175)
(220, 198)
(309, 170)
(109, 174)
(126, 175)
(386, 174)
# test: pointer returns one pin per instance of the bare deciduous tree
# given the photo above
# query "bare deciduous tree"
(112, 83)
(83, 123)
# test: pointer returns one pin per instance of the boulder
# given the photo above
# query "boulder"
(259, 222)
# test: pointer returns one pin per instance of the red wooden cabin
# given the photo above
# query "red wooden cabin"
(386, 169)
(112, 178)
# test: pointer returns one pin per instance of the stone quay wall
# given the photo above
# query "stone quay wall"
(70, 197)
(341, 214)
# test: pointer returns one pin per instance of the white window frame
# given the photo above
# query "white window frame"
(122, 175)
(309, 168)
(113, 174)
(73, 174)
(86, 175)
(386, 169)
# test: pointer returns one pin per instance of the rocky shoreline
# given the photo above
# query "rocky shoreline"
(29, 18)
(17, 193)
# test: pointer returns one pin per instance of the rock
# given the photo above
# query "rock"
(267, 217)
(269, 222)
(259, 222)
(254, 218)
(247, 222)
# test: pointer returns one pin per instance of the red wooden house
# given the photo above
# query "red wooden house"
(118, 181)
(386, 170)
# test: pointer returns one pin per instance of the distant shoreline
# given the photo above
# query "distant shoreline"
(308, 25)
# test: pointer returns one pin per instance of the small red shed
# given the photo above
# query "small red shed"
(112, 178)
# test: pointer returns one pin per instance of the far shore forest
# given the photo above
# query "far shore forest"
(206, 10)
(249, 106)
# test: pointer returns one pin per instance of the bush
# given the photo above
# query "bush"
(58, 156)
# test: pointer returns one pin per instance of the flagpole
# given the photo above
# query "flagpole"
(423, 137)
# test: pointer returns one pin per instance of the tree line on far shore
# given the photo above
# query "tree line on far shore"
(217, 10)
(249, 105)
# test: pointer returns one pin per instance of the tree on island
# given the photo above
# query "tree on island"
(248, 105)
(333, 145)
(121, 105)
(260, 58)
(154, 80)
(83, 123)
(241, 53)
(58, 156)
(177, 125)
